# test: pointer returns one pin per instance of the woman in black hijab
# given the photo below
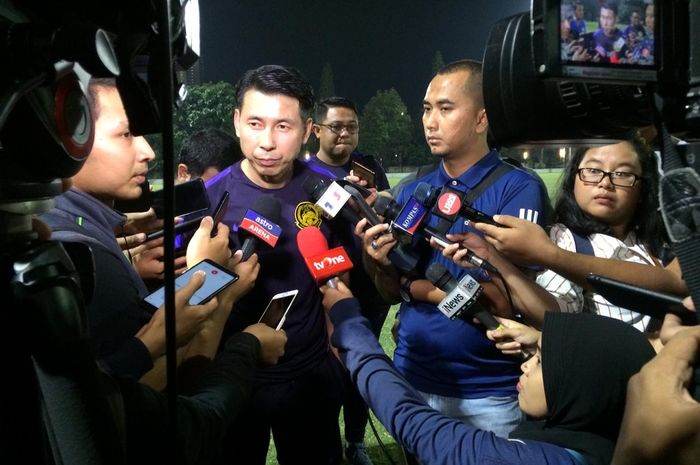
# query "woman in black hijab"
(573, 390)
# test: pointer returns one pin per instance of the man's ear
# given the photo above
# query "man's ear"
(482, 121)
(317, 130)
(307, 132)
(237, 122)
(183, 173)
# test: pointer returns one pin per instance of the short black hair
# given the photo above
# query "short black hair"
(210, 148)
(473, 85)
(332, 102)
(646, 221)
(93, 89)
(276, 79)
(609, 6)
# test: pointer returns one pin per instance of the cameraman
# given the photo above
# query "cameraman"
(125, 336)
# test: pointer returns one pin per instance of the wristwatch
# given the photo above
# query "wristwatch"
(405, 289)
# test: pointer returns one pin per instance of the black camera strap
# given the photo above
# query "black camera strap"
(679, 200)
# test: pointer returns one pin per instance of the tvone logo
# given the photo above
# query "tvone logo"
(328, 262)
(449, 203)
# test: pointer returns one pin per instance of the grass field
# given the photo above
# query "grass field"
(551, 180)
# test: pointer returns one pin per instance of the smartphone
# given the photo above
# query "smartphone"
(187, 225)
(362, 172)
(137, 205)
(217, 279)
(644, 301)
(276, 311)
(219, 212)
(190, 197)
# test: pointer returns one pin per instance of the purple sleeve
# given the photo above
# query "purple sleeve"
(430, 436)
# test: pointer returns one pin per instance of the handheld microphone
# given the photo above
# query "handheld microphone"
(362, 205)
(330, 197)
(461, 300)
(323, 264)
(260, 225)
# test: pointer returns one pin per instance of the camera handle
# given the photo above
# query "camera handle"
(56, 396)
(679, 201)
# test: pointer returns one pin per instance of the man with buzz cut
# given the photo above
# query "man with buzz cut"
(299, 399)
(337, 127)
(451, 362)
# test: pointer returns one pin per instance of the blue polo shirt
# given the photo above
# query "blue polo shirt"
(453, 357)
(282, 268)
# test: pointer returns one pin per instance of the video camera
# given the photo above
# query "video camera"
(544, 87)
(58, 408)
(50, 50)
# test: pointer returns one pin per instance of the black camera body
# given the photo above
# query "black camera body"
(667, 56)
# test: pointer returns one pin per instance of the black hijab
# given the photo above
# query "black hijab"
(586, 363)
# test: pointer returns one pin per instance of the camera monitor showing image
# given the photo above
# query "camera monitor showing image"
(607, 39)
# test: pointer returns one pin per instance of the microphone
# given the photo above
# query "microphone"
(362, 205)
(323, 264)
(461, 300)
(259, 224)
(330, 197)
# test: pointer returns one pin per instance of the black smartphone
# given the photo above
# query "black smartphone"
(190, 197)
(362, 172)
(140, 204)
(275, 313)
(187, 225)
(219, 212)
(217, 279)
(644, 301)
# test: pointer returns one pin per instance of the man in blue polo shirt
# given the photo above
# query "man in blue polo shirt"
(299, 399)
(458, 370)
(337, 128)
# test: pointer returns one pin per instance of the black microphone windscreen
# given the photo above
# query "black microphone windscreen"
(422, 193)
(268, 207)
(314, 186)
(438, 275)
(381, 205)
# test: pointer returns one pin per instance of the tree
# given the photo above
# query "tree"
(438, 62)
(386, 128)
(327, 87)
(208, 105)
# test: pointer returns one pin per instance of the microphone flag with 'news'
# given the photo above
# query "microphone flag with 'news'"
(461, 299)
(259, 224)
(323, 264)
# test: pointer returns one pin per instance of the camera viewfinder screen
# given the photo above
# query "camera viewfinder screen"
(620, 33)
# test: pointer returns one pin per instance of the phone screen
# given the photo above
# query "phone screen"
(276, 311)
(362, 172)
(217, 279)
(190, 197)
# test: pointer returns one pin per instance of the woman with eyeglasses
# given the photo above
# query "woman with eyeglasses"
(607, 207)
(606, 222)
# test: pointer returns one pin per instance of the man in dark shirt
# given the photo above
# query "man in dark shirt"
(609, 42)
(299, 399)
(337, 128)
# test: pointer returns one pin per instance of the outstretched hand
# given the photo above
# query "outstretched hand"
(515, 339)
(522, 242)
(331, 295)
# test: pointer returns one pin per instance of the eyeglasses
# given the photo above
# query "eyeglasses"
(337, 128)
(617, 178)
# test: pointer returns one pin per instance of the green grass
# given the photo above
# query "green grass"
(551, 180)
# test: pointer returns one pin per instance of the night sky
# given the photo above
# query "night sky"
(371, 44)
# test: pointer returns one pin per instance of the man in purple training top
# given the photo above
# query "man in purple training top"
(337, 128)
(608, 40)
(299, 399)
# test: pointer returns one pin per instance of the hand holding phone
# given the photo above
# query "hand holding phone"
(190, 197)
(217, 279)
(219, 212)
(364, 173)
(275, 313)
